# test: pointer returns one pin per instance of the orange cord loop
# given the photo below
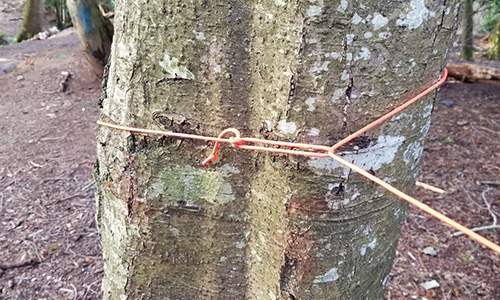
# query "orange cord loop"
(235, 141)
(309, 150)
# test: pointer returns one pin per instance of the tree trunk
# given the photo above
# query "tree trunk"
(494, 51)
(94, 30)
(261, 226)
(32, 20)
(468, 31)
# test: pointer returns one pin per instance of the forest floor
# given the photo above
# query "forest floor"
(49, 245)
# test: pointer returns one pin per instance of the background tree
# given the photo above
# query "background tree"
(468, 31)
(94, 29)
(492, 25)
(259, 226)
(32, 21)
(494, 50)
(59, 8)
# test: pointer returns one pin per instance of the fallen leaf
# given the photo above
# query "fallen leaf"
(431, 284)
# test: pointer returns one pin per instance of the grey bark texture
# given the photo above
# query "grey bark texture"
(261, 226)
(468, 31)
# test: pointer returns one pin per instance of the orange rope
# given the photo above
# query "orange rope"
(311, 150)
(423, 207)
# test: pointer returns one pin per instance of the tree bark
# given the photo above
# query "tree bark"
(468, 31)
(32, 20)
(261, 226)
(94, 30)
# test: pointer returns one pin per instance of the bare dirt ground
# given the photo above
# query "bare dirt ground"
(48, 240)
(49, 246)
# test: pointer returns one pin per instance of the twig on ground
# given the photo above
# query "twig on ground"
(494, 183)
(67, 198)
(23, 262)
(494, 217)
(430, 187)
(87, 186)
(35, 250)
(89, 289)
(34, 164)
(469, 196)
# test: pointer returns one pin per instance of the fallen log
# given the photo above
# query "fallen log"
(467, 72)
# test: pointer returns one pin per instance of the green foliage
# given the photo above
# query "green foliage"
(3, 39)
(494, 51)
(492, 14)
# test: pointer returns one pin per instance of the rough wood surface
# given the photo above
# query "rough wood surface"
(258, 226)
(472, 72)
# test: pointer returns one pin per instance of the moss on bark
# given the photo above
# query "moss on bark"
(260, 226)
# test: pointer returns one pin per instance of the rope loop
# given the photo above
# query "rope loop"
(310, 150)
(234, 140)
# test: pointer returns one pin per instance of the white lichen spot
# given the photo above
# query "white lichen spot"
(348, 57)
(174, 231)
(271, 295)
(338, 94)
(240, 244)
(378, 154)
(355, 195)
(313, 132)
(370, 245)
(310, 103)
(368, 35)
(319, 67)
(228, 169)
(172, 69)
(425, 129)
(379, 21)
(416, 16)
(385, 280)
(280, 2)
(356, 19)
(384, 35)
(342, 6)
(287, 127)
(331, 276)
(349, 38)
(254, 254)
(400, 116)
(216, 69)
(200, 36)
(262, 237)
(313, 11)
(364, 54)
(334, 55)
(345, 75)
(427, 110)
(311, 40)
(381, 153)
(398, 212)
(413, 152)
